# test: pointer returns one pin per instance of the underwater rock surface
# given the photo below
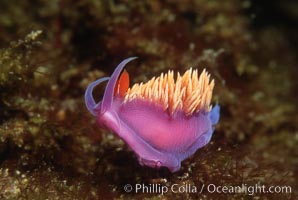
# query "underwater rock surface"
(50, 147)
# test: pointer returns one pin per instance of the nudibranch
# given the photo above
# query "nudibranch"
(164, 121)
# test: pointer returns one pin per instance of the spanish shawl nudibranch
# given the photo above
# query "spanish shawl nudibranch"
(164, 121)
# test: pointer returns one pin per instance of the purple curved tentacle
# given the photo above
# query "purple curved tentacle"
(109, 92)
(89, 101)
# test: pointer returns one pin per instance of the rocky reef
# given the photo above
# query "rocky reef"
(51, 147)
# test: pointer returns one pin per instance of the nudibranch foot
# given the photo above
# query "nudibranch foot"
(164, 121)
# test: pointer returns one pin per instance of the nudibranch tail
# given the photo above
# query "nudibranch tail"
(214, 114)
(89, 100)
(109, 92)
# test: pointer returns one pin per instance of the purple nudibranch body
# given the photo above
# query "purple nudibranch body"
(164, 121)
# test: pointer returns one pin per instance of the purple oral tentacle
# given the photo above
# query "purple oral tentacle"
(89, 100)
(109, 92)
